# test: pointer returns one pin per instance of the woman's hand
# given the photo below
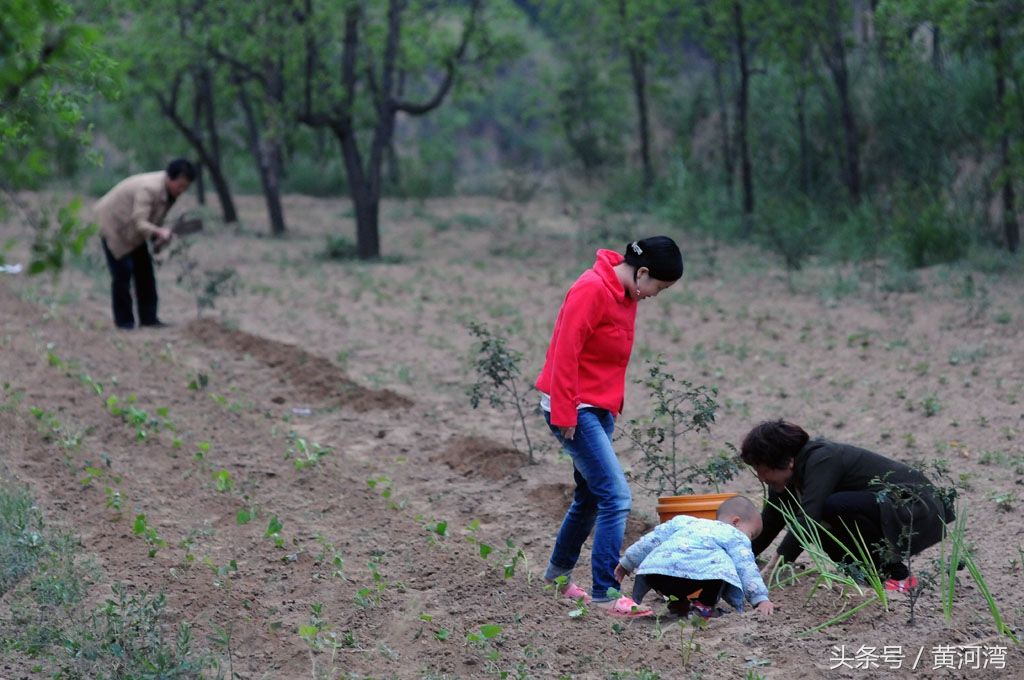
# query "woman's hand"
(620, 573)
(568, 432)
(765, 608)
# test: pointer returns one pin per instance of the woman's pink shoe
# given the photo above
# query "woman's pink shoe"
(626, 608)
(575, 593)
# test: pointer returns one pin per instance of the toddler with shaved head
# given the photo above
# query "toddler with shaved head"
(695, 562)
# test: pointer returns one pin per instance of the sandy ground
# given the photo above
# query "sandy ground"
(372, 363)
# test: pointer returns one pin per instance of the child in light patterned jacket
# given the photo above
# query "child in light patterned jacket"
(699, 561)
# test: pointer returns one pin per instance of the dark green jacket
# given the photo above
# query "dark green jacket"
(823, 468)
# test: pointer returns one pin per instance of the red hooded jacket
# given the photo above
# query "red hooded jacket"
(590, 346)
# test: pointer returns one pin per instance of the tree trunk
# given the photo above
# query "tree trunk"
(835, 57)
(169, 107)
(638, 69)
(205, 86)
(361, 190)
(804, 145)
(197, 116)
(1011, 229)
(638, 72)
(728, 162)
(263, 154)
(742, 114)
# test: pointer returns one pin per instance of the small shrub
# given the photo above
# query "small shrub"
(21, 537)
(498, 378)
(680, 408)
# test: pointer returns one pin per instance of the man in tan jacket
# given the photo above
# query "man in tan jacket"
(129, 215)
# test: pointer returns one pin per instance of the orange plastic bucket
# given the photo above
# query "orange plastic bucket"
(700, 505)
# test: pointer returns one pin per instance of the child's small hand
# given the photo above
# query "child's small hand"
(765, 608)
(620, 573)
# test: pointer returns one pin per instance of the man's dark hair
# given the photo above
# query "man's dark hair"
(773, 444)
(182, 166)
(659, 254)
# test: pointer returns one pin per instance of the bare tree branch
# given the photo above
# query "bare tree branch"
(414, 109)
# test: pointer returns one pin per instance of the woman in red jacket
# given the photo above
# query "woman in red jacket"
(582, 386)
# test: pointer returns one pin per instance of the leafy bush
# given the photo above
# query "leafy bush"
(926, 232)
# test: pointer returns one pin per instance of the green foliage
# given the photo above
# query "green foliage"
(51, 248)
(926, 232)
(125, 638)
(50, 70)
(591, 110)
(21, 535)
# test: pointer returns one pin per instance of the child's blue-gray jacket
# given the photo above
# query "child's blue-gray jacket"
(704, 549)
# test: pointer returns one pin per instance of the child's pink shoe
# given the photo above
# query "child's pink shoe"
(626, 608)
(902, 586)
(575, 593)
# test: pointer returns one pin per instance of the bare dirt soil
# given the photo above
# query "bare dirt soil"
(371, 362)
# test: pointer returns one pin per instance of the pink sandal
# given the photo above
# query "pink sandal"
(626, 608)
(574, 592)
(902, 586)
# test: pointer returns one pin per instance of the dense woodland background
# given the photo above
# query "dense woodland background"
(853, 130)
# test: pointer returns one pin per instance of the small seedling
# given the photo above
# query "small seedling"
(487, 632)
(274, 531)
(689, 645)
(330, 555)
(91, 474)
(199, 382)
(370, 596)
(142, 528)
(1004, 501)
(513, 556)
(558, 585)
(382, 483)
(114, 500)
(244, 515)
(306, 453)
(931, 406)
(222, 481)
(580, 610)
(485, 549)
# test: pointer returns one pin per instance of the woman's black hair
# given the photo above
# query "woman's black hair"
(773, 444)
(659, 254)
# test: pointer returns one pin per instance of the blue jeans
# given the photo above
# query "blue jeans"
(601, 502)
